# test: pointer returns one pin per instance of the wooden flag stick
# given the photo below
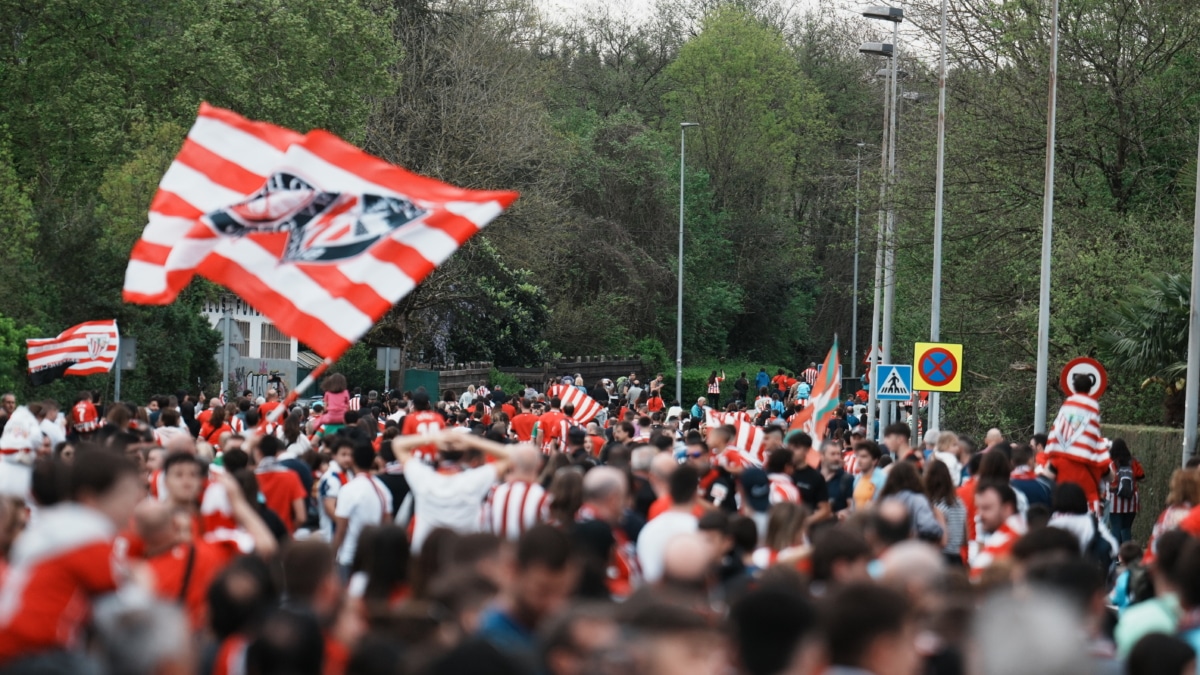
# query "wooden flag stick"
(295, 393)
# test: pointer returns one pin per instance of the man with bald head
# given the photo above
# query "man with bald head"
(993, 438)
(662, 465)
(599, 534)
(516, 505)
(687, 560)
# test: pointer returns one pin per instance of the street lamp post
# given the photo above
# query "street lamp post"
(683, 126)
(1191, 395)
(1043, 334)
(879, 49)
(894, 15)
(854, 316)
(935, 305)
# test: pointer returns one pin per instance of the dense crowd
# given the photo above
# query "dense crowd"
(494, 532)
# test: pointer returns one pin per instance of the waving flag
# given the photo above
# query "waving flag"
(586, 407)
(749, 440)
(87, 349)
(319, 236)
(713, 418)
(823, 401)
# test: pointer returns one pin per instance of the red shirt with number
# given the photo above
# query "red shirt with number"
(422, 423)
(84, 418)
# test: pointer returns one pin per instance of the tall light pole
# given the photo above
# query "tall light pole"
(1191, 395)
(1043, 333)
(935, 304)
(854, 317)
(895, 15)
(879, 49)
(683, 126)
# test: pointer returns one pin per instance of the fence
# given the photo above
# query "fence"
(591, 368)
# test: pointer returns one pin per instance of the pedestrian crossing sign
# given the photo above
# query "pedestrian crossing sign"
(894, 383)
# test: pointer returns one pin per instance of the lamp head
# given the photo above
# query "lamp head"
(884, 13)
(885, 49)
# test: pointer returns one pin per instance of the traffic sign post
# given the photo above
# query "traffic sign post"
(1084, 365)
(938, 367)
(895, 382)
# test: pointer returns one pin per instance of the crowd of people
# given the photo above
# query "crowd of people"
(486, 531)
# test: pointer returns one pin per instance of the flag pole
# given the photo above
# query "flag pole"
(295, 393)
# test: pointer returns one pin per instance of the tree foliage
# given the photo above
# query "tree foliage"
(582, 117)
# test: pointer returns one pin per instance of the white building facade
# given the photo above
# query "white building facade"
(263, 353)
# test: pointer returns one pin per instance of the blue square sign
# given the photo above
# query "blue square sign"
(894, 383)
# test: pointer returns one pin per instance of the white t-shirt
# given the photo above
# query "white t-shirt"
(328, 487)
(363, 501)
(446, 500)
(652, 541)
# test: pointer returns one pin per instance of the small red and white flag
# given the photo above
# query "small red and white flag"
(87, 349)
(586, 407)
(319, 236)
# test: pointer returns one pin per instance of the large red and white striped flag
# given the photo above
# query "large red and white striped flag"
(824, 400)
(87, 349)
(319, 236)
(586, 407)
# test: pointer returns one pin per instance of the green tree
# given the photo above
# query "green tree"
(1147, 338)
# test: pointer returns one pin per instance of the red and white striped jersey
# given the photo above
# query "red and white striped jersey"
(1132, 504)
(513, 507)
(783, 489)
(1075, 447)
(850, 461)
(997, 545)
(1076, 433)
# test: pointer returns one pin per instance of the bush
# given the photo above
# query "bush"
(505, 381)
(654, 354)
(695, 379)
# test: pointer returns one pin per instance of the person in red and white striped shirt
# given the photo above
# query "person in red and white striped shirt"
(779, 468)
(519, 503)
(996, 506)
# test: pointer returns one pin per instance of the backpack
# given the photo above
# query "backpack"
(1140, 586)
(1099, 550)
(1125, 482)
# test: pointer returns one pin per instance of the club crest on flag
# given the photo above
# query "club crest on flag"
(320, 226)
(96, 345)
